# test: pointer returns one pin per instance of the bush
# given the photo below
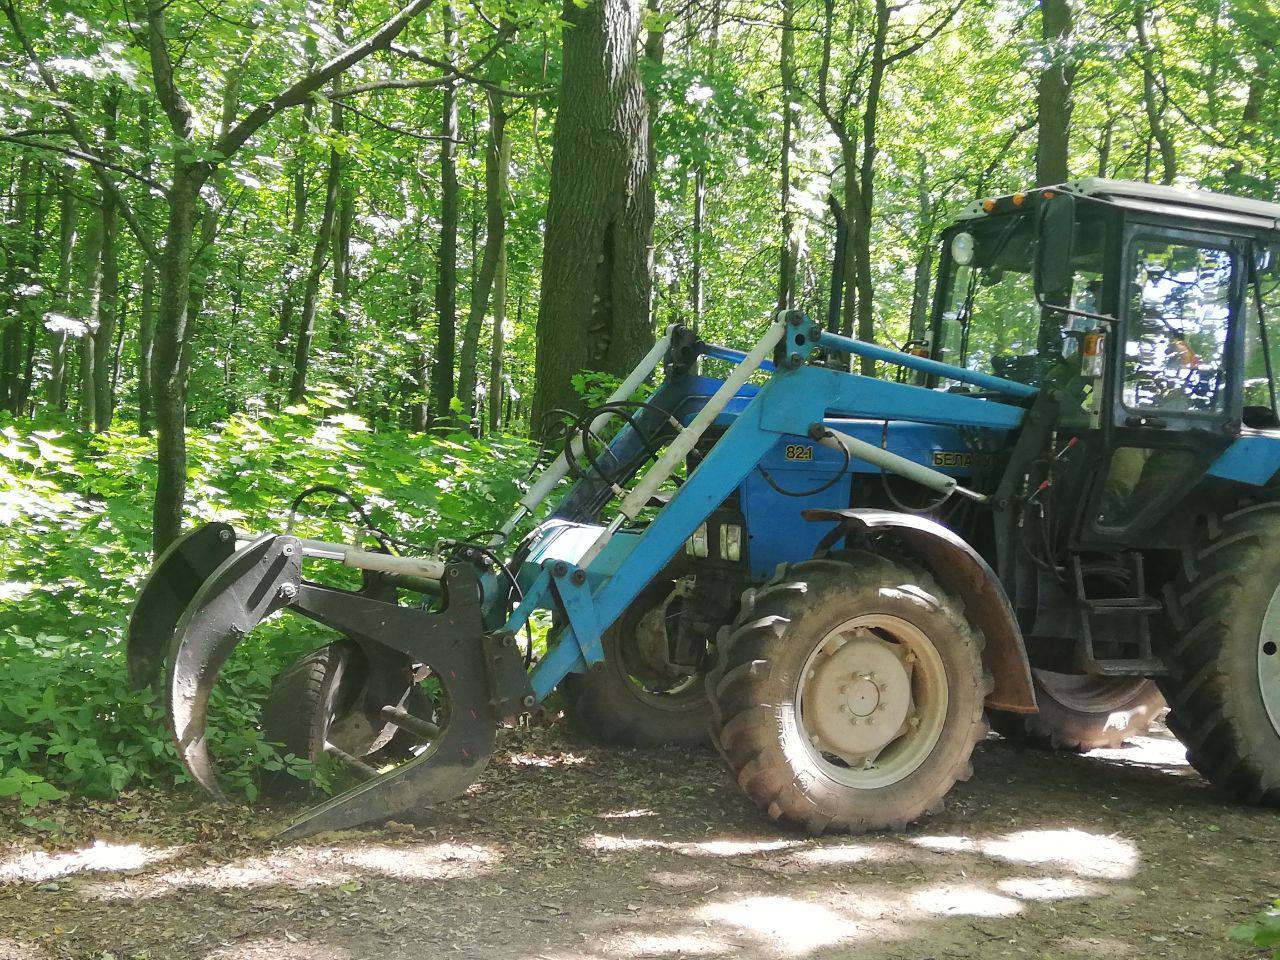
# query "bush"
(75, 517)
(1262, 930)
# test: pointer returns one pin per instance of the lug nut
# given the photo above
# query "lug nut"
(224, 535)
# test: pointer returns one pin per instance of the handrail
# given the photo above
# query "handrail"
(833, 341)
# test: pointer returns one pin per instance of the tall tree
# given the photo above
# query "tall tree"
(442, 382)
(1053, 93)
(594, 309)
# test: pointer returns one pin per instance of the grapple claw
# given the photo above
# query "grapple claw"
(247, 587)
(168, 590)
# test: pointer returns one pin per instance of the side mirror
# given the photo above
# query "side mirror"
(1053, 272)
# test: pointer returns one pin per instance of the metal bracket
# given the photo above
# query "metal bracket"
(570, 585)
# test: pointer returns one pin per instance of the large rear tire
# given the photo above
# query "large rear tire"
(1224, 691)
(625, 703)
(298, 709)
(305, 700)
(849, 695)
(1081, 713)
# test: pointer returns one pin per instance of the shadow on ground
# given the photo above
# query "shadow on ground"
(565, 852)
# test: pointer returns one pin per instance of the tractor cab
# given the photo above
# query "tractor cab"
(1153, 310)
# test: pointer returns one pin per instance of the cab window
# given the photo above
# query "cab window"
(1262, 337)
(1179, 303)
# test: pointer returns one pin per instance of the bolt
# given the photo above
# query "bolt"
(913, 722)
(287, 549)
(910, 657)
(560, 569)
(578, 578)
(288, 591)
(453, 572)
(224, 535)
(844, 708)
(508, 640)
(529, 701)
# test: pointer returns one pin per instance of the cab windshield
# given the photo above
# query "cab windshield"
(990, 321)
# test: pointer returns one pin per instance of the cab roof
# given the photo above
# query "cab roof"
(1204, 205)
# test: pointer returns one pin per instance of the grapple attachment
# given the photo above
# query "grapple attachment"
(479, 678)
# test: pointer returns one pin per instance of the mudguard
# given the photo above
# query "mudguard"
(964, 572)
(167, 592)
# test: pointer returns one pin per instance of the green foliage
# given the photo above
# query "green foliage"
(74, 522)
(1262, 930)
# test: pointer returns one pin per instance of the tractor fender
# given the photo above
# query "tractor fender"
(964, 572)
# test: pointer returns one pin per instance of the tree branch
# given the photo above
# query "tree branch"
(79, 155)
(108, 185)
(300, 90)
(468, 74)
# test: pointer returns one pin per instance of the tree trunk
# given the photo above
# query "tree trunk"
(594, 309)
(18, 275)
(786, 67)
(1053, 94)
(342, 336)
(442, 382)
(293, 269)
(109, 297)
(497, 162)
(147, 308)
(169, 354)
(1152, 100)
(497, 386)
(56, 394)
(90, 298)
(924, 257)
(319, 254)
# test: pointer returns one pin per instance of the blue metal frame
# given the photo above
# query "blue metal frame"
(794, 398)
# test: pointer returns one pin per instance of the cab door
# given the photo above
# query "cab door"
(1174, 397)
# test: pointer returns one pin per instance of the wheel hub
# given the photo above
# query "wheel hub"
(1269, 661)
(858, 696)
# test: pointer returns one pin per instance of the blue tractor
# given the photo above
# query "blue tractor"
(1061, 507)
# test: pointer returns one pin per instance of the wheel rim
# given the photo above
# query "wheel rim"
(1269, 660)
(647, 685)
(1085, 693)
(872, 701)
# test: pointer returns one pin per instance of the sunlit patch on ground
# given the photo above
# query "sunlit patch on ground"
(602, 843)
(303, 867)
(684, 944)
(970, 901)
(545, 760)
(683, 880)
(1077, 851)
(793, 926)
(279, 949)
(1163, 753)
(625, 814)
(1048, 888)
(13, 950)
(99, 857)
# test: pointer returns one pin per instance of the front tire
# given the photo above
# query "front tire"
(624, 702)
(1224, 691)
(850, 696)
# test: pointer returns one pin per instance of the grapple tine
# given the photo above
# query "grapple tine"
(168, 590)
(248, 586)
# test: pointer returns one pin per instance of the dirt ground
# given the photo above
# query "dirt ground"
(568, 852)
